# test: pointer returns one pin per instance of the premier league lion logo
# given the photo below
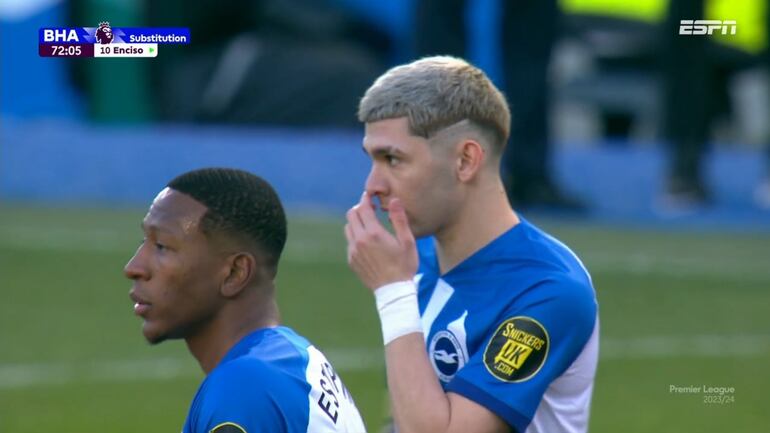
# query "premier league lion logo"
(104, 33)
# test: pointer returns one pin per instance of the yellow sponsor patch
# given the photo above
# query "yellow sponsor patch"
(518, 349)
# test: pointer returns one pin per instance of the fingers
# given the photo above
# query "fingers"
(400, 222)
(348, 233)
(374, 254)
(349, 237)
(355, 224)
(365, 210)
(363, 219)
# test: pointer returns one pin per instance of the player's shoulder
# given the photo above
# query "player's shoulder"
(273, 360)
(238, 376)
(539, 243)
(241, 395)
(548, 279)
(546, 259)
(258, 383)
(567, 295)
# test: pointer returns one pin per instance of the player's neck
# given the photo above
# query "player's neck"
(483, 218)
(233, 322)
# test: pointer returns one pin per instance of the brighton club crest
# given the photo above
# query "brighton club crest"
(103, 33)
(447, 355)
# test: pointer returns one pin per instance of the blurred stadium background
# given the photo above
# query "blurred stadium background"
(85, 145)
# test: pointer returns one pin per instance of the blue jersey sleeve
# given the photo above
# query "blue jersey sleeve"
(246, 396)
(534, 342)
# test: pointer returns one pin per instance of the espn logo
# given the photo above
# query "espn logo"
(706, 27)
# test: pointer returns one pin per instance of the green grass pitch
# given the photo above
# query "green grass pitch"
(677, 310)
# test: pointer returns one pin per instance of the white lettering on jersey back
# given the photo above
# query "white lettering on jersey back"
(332, 409)
(438, 300)
(567, 400)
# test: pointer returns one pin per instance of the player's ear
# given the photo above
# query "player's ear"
(240, 270)
(470, 158)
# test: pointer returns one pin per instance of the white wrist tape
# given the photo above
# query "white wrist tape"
(399, 313)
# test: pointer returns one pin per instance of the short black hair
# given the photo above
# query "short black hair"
(239, 204)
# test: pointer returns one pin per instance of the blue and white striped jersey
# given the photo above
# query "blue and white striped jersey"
(514, 328)
(273, 380)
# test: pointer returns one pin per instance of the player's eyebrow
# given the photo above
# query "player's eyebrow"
(155, 228)
(382, 150)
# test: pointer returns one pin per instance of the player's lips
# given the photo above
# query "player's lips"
(141, 306)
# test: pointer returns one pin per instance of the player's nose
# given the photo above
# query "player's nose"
(376, 184)
(135, 269)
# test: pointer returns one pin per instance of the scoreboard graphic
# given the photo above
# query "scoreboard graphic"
(107, 41)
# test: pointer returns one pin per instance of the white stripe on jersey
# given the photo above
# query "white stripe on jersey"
(438, 300)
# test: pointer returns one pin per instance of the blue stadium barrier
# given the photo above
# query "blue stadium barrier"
(324, 170)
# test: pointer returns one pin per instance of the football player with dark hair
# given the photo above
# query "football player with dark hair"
(205, 273)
